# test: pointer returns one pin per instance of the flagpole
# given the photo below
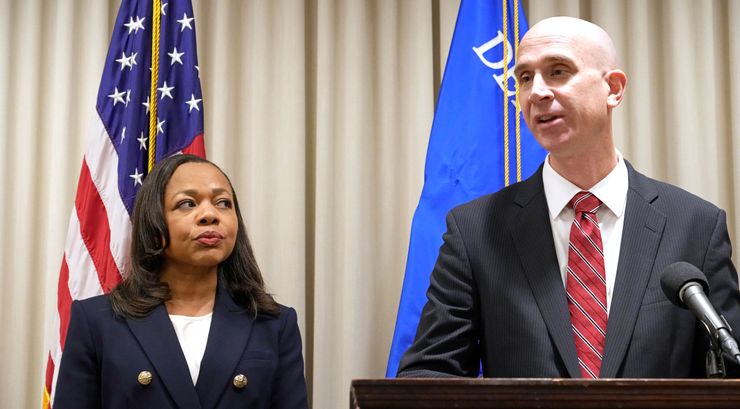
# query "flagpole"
(506, 92)
(156, 9)
(516, 99)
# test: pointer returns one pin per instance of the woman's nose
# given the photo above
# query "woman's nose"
(208, 215)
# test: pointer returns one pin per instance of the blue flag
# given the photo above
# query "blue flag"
(471, 152)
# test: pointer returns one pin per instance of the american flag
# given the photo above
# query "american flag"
(120, 140)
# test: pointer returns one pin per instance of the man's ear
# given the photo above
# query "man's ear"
(617, 81)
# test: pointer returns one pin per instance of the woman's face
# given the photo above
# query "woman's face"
(200, 215)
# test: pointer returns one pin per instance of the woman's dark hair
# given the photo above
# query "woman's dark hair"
(141, 290)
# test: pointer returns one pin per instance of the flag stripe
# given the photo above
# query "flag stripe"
(55, 349)
(95, 230)
(64, 302)
(198, 147)
(83, 280)
(102, 162)
(47, 381)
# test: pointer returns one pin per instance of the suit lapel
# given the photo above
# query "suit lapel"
(231, 326)
(532, 236)
(641, 235)
(158, 340)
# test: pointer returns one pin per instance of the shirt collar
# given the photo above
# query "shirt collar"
(611, 190)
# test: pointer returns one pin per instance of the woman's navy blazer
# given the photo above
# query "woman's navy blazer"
(104, 355)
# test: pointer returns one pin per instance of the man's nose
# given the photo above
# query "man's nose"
(540, 89)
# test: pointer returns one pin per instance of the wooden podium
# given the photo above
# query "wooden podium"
(543, 393)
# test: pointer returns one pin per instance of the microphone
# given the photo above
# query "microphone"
(687, 287)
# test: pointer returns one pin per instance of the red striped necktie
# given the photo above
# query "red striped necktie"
(586, 284)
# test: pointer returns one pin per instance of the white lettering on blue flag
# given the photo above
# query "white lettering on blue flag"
(499, 65)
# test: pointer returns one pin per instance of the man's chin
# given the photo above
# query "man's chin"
(552, 142)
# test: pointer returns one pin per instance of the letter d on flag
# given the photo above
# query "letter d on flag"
(477, 145)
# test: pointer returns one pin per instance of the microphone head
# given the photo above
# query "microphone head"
(676, 276)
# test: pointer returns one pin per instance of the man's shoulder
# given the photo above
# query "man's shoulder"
(667, 195)
(503, 199)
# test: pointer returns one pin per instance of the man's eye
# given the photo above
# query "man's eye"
(558, 72)
(524, 78)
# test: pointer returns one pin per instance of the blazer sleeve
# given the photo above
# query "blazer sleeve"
(447, 337)
(289, 391)
(723, 285)
(78, 382)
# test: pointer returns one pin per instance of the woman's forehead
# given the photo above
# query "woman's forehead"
(197, 176)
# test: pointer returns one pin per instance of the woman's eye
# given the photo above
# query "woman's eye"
(224, 203)
(185, 204)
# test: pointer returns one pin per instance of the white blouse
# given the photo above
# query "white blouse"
(192, 332)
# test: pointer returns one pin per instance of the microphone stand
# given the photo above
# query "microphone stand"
(715, 363)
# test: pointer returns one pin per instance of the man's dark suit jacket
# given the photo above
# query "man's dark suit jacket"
(496, 294)
(104, 354)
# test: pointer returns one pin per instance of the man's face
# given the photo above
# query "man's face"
(563, 92)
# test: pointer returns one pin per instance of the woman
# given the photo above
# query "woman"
(191, 325)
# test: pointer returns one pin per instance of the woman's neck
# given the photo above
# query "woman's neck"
(193, 293)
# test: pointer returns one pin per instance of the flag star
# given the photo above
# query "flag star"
(185, 21)
(146, 104)
(197, 69)
(117, 96)
(128, 96)
(163, 6)
(160, 129)
(123, 134)
(142, 142)
(176, 57)
(135, 25)
(166, 91)
(126, 61)
(132, 59)
(137, 177)
(193, 103)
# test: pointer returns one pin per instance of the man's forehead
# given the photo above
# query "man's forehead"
(566, 26)
(576, 38)
(526, 61)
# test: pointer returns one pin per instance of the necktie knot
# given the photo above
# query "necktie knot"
(585, 202)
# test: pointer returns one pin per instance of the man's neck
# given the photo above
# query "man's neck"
(585, 170)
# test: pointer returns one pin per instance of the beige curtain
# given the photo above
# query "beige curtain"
(320, 111)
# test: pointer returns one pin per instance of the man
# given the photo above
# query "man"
(559, 275)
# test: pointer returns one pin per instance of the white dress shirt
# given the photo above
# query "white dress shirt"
(612, 191)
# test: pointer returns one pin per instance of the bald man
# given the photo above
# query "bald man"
(559, 275)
